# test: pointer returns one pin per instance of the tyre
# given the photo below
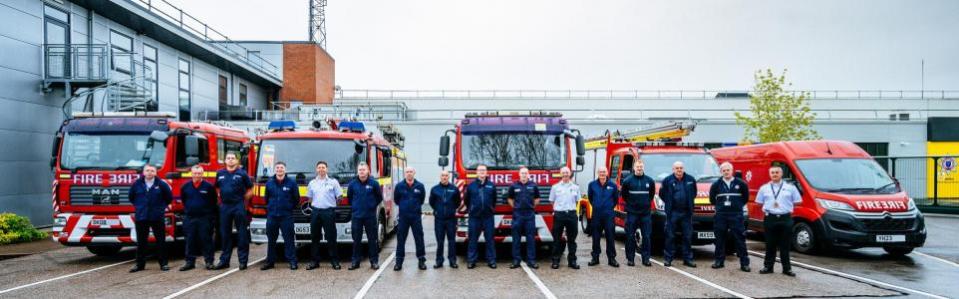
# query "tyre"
(804, 238)
(104, 250)
(380, 233)
(898, 251)
(584, 223)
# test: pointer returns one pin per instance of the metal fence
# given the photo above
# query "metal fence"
(932, 181)
(400, 94)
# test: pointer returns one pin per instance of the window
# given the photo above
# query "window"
(228, 146)
(387, 162)
(224, 94)
(242, 94)
(788, 175)
(121, 47)
(184, 89)
(152, 72)
(627, 167)
(877, 149)
(204, 151)
(614, 167)
(56, 27)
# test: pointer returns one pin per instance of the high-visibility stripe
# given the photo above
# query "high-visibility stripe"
(701, 201)
(206, 174)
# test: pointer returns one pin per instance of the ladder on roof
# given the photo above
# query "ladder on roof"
(657, 132)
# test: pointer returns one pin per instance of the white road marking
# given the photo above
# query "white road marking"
(64, 276)
(854, 277)
(700, 279)
(376, 275)
(942, 260)
(539, 283)
(211, 279)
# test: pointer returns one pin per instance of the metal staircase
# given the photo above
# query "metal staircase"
(131, 90)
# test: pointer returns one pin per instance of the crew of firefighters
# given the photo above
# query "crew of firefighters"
(226, 199)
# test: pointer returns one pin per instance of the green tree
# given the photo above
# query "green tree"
(776, 114)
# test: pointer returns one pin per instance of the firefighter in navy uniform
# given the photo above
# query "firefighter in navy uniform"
(602, 195)
(199, 205)
(678, 193)
(637, 191)
(480, 199)
(729, 195)
(150, 197)
(235, 188)
(445, 200)
(410, 195)
(523, 196)
(364, 195)
(282, 196)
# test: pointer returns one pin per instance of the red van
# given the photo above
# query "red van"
(848, 200)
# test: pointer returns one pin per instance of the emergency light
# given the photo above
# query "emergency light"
(352, 126)
(282, 125)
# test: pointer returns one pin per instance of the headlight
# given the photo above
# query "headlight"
(258, 231)
(660, 205)
(834, 205)
(911, 205)
(60, 221)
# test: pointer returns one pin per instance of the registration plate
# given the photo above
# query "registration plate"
(104, 222)
(507, 221)
(301, 229)
(890, 238)
(706, 235)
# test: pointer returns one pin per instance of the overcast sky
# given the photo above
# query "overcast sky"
(621, 44)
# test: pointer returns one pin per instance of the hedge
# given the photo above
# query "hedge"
(15, 229)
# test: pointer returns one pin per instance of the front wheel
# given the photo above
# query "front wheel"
(898, 251)
(804, 238)
(104, 250)
(584, 222)
(380, 233)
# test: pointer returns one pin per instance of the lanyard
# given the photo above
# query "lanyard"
(776, 194)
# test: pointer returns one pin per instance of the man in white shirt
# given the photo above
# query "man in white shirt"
(565, 196)
(778, 199)
(323, 192)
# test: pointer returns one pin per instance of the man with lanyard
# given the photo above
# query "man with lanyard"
(323, 192)
(409, 196)
(729, 196)
(282, 196)
(235, 189)
(778, 199)
(565, 196)
(150, 197)
(638, 191)
(602, 195)
(199, 206)
(523, 196)
(480, 199)
(678, 192)
(365, 195)
(445, 200)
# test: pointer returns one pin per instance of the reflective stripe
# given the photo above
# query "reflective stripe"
(728, 194)
(638, 192)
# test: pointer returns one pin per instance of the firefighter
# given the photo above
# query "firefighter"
(445, 200)
(235, 189)
(282, 196)
(150, 197)
(678, 193)
(323, 192)
(602, 195)
(638, 191)
(564, 196)
(480, 199)
(365, 195)
(523, 196)
(729, 196)
(410, 195)
(199, 207)
(778, 199)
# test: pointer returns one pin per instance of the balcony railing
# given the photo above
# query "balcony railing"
(76, 63)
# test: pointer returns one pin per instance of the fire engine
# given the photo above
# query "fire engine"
(659, 147)
(343, 145)
(541, 141)
(97, 157)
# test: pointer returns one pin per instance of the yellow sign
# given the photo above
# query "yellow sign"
(948, 171)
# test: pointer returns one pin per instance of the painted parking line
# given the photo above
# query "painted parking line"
(700, 279)
(211, 279)
(854, 277)
(376, 275)
(936, 258)
(539, 283)
(64, 276)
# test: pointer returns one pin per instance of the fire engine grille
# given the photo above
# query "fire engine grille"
(96, 195)
(889, 224)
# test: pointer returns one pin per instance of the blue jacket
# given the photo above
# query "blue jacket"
(678, 195)
(602, 197)
(198, 201)
(523, 196)
(364, 197)
(445, 200)
(150, 205)
(410, 199)
(638, 192)
(480, 198)
(281, 197)
(233, 185)
(737, 194)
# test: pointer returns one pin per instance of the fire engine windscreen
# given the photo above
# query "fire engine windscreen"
(301, 155)
(701, 166)
(847, 176)
(110, 151)
(510, 150)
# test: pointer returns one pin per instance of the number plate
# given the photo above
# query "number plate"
(706, 235)
(104, 222)
(507, 221)
(890, 238)
(301, 228)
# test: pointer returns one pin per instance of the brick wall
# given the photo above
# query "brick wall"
(308, 74)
